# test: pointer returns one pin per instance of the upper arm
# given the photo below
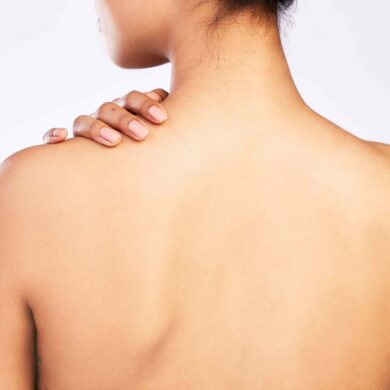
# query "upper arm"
(37, 185)
(16, 324)
(16, 338)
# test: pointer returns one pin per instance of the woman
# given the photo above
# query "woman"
(243, 245)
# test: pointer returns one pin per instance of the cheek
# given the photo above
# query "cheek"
(110, 13)
(133, 33)
(116, 22)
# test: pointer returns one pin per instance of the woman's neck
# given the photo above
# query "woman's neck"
(237, 68)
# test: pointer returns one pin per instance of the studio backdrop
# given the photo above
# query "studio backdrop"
(53, 66)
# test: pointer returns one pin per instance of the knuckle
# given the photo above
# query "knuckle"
(124, 120)
(106, 108)
(154, 96)
(131, 97)
(79, 120)
(132, 94)
(94, 129)
(161, 91)
(146, 104)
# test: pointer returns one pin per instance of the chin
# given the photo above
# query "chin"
(138, 60)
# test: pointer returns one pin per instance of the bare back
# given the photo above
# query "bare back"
(259, 265)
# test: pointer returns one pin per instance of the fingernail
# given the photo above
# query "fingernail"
(57, 132)
(158, 114)
(109, 135)
(139, 130)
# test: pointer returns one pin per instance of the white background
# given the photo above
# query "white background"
(53, 66)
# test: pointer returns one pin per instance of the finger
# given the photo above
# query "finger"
(160, 94)
(154, 96)
(55, 136)
(122, 120)
(88, 127)
(140, 103)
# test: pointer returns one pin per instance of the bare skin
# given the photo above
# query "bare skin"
(243, 245)
(212, 268)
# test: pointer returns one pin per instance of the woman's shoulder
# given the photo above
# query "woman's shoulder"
(36, 166)
(38, 176)
(74, 172)
(45, 164)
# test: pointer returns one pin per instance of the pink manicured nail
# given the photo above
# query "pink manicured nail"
(157, 114)
(57, 132)
(139, 131)
(109, 135)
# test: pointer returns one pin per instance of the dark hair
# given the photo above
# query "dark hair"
(271, 7)
(260, 10)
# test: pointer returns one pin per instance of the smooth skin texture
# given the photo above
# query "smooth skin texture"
(243, 245)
